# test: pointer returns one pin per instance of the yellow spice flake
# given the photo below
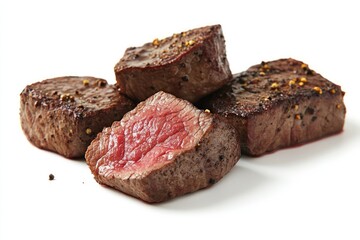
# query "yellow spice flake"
(301, 84)
(304, 66)
(274, 85)
(262, 73)
(296, 107)
(156, 42)
(298, 117)
(86, 82)
(303, 79)
(88, 131)
(189, 43)
(318, 90)
(64, 97)
(67, 97)
(207, 110)
(332, 91)
(338, 106)
(292, 82)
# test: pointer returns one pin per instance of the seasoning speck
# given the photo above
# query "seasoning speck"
(318, 90)
(292, 82)
(212, 181)
(185, 78)
(86, 82)
(338, 106)
(101, 83)
(332, 91)
(298, 117)
(67, 97)
(304, 66)
(274, 85)
(88, 131)
(207, 110)
(156, 42)
(303, 79)
(51, 177)
(296, 107)
(262, 73)
(301, 84)
(189, 43)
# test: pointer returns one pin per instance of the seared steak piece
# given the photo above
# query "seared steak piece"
(189, 65)
(279, 104)
(163, 148)
(64, 114)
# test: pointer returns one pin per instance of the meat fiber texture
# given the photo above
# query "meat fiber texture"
(279, 104)
(64, 114)
(163, 148)
(188, 65)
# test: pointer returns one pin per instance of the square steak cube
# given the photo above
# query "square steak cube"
(279, 104)
(188, 65)
(64, 114)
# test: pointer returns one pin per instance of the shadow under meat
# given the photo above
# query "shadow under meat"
(234, 186)
(312, 151)
(244, 177)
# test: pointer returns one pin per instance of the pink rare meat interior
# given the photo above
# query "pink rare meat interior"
(150, 137)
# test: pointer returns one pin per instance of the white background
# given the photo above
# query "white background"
(307, 192)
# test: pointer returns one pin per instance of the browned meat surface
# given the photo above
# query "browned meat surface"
(163, 148)
(279, 104)
(64, 114)
(188, 65)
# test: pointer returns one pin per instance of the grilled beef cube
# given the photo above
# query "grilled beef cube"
(64, 114)
(163, 148)
(279, 104)
(188, 65)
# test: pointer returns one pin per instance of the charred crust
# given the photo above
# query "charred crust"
(61, 106)
(212, 181)
(164, 51)
(101, 82)
(195, 56)
(71, 94)
(309, 111)
(185, 78)
(267, 85)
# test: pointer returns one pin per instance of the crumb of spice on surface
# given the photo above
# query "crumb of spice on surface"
(88, 131)
(51, 177)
